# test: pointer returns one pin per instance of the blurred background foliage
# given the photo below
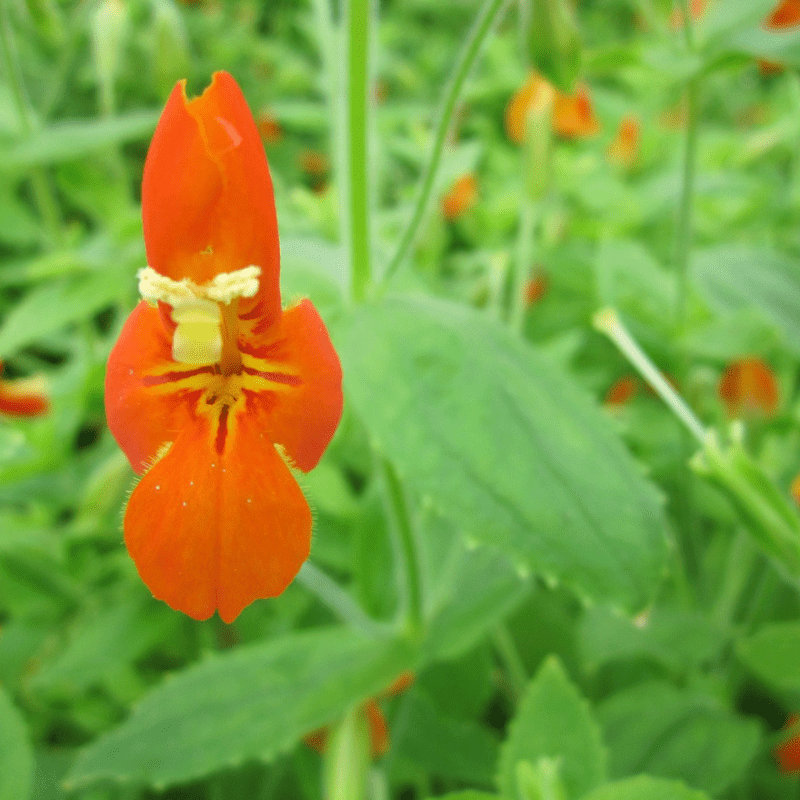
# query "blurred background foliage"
(670, 190)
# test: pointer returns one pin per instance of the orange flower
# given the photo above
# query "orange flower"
(378, 729)
(214, 391)
(314, 163)
(748, 388)
(536, 288)
(696, 8)
(785, 15)
(23, 398)
(535, 93)
(794, 489)
(622, 391)
(788, 753)
(573, 115)
(461, 197)
(624, 150)
(269, 128)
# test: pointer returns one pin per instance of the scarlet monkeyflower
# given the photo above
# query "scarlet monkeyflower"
(748, 387)
(622, 391)
(787, 754)
(213, 390)
(461, 197)
(573, 114)
(785, 15)
(23, 398)
(624, 150)
(376, 721)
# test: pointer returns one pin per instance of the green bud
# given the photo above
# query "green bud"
(552, 40)
(766, 512)
(538, 145)
(109, 29)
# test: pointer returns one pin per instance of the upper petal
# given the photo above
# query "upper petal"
(207, 197)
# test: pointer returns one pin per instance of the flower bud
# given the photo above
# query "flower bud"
(552, 40)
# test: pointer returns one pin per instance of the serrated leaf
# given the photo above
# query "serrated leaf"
(675, 638)
(251, 703)
(75, 138)
(505, 446)
(672, 733)
(554, 721)
(645, 787)
(732, 277)
(773, 653)
(16, 755)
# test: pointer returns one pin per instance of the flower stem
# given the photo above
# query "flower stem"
(607, 322)
(507, 651)
(466, 59)
(522, 262)
(347, 758)
(336, 599)
(683, 244)
(406, 548)
(358, 23)
(42, 192)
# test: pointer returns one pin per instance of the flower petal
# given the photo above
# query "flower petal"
(143, 417)
(216, 525)
(207, 199)
(303, 416)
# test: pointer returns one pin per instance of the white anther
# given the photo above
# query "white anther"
(222, 288)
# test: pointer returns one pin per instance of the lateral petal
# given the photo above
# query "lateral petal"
(145, 412)
(295, 381)
(219, 521)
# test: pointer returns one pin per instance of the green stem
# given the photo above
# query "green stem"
(336, 599)
(42, 192)
(736, 578)
(347, 758)
(358, 21)
(609, 323)
(507, 651)
(466, 59)
(683, 242)
(523, 261)
(406, 548)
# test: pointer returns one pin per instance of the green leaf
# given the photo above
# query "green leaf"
(51, 306)
(773, 653)
(470, 794)
(554, 721)
(485, 590)
(16, 755)
(102, 644)
(504, 446)
(253, 702)
(672, 733)
(644, 787)
(67, 140)
(782, 46)
(718, 28)
(732, 277)
(449, 748)
(678, 639)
